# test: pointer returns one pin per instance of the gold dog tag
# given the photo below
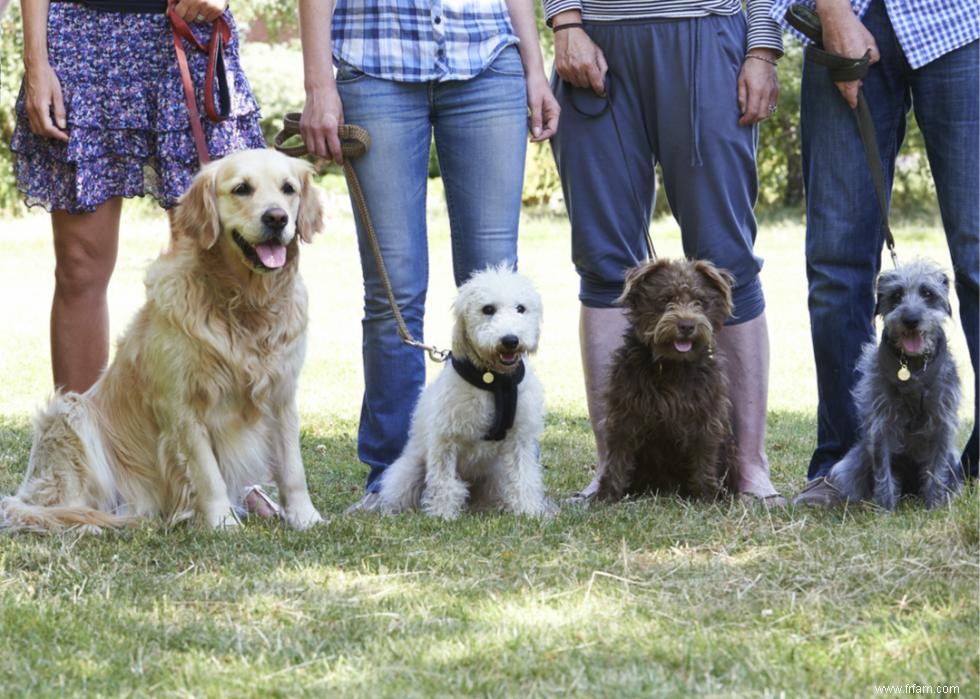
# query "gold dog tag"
(904, 374)
(488, 377)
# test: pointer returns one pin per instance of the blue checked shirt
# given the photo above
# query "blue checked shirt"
(926, 29)
(421, 40)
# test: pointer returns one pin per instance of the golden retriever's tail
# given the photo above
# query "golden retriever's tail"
(19, 516)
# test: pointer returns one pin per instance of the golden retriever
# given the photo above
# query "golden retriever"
(200, 399)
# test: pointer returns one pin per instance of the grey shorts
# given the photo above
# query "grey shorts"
(672, 99)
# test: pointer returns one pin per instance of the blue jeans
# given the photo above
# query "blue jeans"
(843, 236)
(480, 129)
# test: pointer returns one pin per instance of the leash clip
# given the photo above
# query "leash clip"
(435, 354)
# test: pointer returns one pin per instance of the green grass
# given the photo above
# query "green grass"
(649, 598)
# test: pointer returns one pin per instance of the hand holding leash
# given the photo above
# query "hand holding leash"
(354, 142)
(849, 71)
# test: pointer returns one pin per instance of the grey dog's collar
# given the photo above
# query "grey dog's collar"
(922, 369)
(503, 387)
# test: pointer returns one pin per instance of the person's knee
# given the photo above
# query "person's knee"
(749, 302)
(377, 306)
(82, 270)
(599, 294)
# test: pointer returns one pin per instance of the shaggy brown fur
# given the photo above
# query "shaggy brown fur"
(668, 420)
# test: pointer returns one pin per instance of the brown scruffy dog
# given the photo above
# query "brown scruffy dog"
(668, 422)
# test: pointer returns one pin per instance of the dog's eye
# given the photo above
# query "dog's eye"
(287, 188)
(925, 292)
(896, 296)
(520, 308)
(242, 189)
(489, 310)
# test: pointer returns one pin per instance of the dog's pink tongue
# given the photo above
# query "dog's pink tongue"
(272, 256)
(683, 345)
(912, 344)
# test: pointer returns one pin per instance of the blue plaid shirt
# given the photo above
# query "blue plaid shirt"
(421, 40)
(926, 29)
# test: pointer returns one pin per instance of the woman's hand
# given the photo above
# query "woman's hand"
(758, 87)
(44, 103)
(200, 10)
(323, 115)
(578, 60)
(543, 107)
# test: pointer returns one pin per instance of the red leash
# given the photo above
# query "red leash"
(220, 35)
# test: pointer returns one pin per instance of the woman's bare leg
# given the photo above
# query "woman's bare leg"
(85, 247)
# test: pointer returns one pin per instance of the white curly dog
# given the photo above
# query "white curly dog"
(475, 430)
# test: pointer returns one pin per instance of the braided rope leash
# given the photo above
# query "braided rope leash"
(355, 142)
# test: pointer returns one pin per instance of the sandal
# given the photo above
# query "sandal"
(256, 502)
(767, 501)
(821, 492)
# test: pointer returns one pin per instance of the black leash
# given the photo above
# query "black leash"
(606, 106)
(844, 69)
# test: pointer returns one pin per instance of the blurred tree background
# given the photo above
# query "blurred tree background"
(272, 60)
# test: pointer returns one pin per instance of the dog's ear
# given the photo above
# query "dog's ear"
(196, 215)
(944, 281)
(309, 220)
(462, 347)
(635, 276)
(883, 288)
(721, 279)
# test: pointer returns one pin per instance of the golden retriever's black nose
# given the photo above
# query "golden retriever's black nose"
(275, 219)
(510, 341)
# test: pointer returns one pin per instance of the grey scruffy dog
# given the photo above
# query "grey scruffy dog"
(907, 397)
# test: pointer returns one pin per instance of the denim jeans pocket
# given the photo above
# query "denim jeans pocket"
(347, 72)
(508, 63)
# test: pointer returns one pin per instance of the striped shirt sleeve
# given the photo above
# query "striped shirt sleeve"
(553, 7)
(763, 31)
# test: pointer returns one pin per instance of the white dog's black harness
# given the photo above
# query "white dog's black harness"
(504, 389)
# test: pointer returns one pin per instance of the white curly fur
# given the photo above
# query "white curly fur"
(447, 464)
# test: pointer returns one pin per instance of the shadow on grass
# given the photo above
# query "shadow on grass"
(336, 476)
(652, 596)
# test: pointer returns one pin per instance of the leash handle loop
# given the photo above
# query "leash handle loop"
(355, 142)
(220, 36)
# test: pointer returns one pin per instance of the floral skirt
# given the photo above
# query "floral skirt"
(128, 127)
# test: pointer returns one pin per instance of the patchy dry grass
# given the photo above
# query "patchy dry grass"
(649, 598)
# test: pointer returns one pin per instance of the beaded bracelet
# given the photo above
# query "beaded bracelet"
(758, 57)
(570, 25)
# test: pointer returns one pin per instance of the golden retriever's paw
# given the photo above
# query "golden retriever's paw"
(88, 530)
(303, 518)
(223, 519)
